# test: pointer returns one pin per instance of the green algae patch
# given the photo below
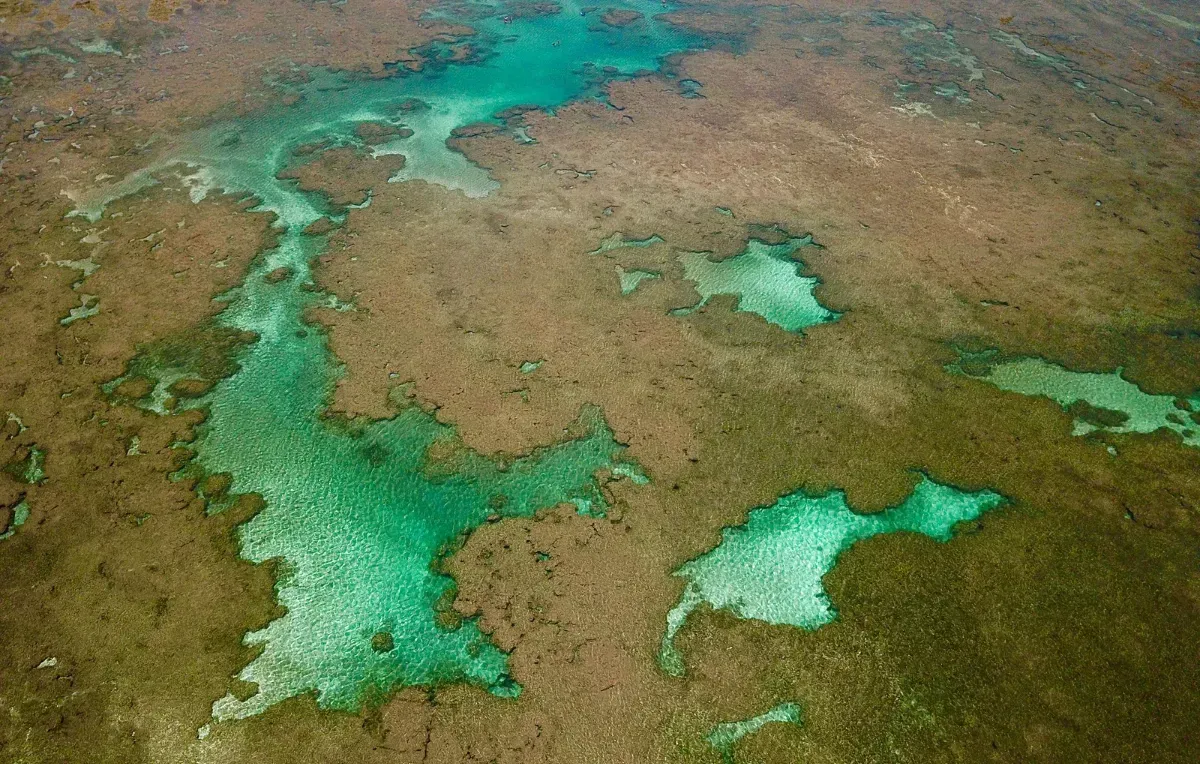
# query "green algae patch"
(723, 737)
(771, 568)
(182, 366)
(766, 280)
(1105, 402)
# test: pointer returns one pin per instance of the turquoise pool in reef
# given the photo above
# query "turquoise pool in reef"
(630, 280)
(771, 568)
(1112, 403)
(357, 514)
(765, 279)
(723, 737)
(20, 514)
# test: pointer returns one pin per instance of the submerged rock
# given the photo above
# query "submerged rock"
(190, 388)
(615, 17)
(373, 133)
(320, 227)
(282, 273)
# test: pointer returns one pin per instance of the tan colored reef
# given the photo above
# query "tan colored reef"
(1037, 217)
(344, 175)
(208, 58)
(117, 585)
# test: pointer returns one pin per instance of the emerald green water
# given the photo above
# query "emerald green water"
(770, 569)
(766, 281)
(1142, 412)
(357, 514)
(725, 736)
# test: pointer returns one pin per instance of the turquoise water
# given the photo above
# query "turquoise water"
(725, 736)
(764, 277)
(359, 514)
(542, 61)
(770, 569)
(630, 280)
(766, 281)
(19, 516)
(1143, 412)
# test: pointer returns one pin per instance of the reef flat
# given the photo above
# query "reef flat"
(372, 369)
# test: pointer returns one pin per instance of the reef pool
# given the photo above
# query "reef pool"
(1098, 401)
(725, 736)
(766, 281)
(770, 568)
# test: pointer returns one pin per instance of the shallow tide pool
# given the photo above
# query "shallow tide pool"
(766, 281)
(1111, 403)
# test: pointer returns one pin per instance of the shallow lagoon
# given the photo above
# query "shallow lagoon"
(358, 514)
